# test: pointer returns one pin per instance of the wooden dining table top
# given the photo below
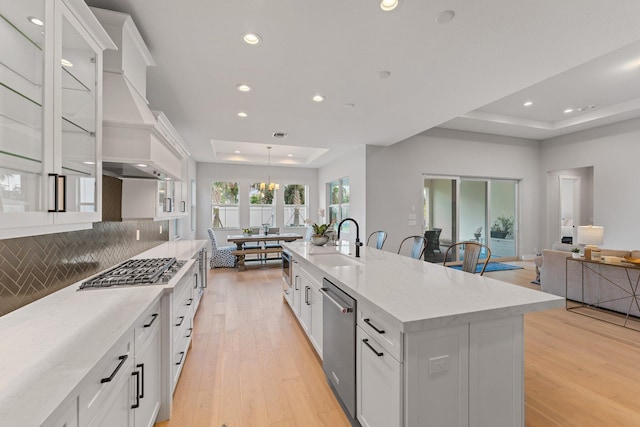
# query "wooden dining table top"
(286, 237)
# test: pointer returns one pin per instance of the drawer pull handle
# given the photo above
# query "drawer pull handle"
(190, 331)
(154, 316)
(190, 301)
(181, 358)
(366, 341)
(113, 374)
(368, 322)
(137, 404)
(141, 366)
(181, 320)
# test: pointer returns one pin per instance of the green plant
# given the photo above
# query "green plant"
(320, 230)
(503, 224)
(246, 230)
(575, 250)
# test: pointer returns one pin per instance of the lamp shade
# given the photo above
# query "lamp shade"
(590, 235)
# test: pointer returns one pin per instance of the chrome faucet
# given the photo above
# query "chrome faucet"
(358, 242)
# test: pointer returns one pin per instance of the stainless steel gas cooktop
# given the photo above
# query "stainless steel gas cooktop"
(136, 272)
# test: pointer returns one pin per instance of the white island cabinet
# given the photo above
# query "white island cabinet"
(434, 346)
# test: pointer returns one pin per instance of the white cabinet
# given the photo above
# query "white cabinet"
(311, 309)
(181, 321)
(297, 290)
(147, 372)
(50, 135)
(378, 384)
(67, 416)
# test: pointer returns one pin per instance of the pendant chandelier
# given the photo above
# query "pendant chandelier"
(269, 185)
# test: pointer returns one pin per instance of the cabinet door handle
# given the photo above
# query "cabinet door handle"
(368, 322)
(295, 283)
(122, 359)
(195, 281)
(141, 366)
(190, 331)
(190, 301)
(286, 291)
(306, 295)
(181, 320)
(366, 342)
(181, 358)
(59, 193)
(184, 206)
(154, 316)
(137, 375)
(168, 204)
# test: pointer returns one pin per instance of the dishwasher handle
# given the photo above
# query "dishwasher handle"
(343, 310)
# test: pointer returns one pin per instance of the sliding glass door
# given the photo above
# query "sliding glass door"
(471, 209)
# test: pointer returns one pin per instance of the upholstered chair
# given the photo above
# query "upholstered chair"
(221, 256)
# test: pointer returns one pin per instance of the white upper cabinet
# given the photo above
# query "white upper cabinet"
(51, 106)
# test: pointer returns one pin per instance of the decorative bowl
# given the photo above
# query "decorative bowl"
(319, 240)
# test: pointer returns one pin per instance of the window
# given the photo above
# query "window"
(296, 210)
(224, 205)
(261, 205)
(339, 200)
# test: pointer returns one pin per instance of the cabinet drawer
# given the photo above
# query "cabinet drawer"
(146, 325)
(178, 358)
(104, 377)
(381, 327)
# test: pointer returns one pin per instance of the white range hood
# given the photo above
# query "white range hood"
(133, 135)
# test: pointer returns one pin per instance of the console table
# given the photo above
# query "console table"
(625, 291)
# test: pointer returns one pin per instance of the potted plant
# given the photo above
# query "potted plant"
(246, 231)
(502, 227)
(575, 253)
(319, 236)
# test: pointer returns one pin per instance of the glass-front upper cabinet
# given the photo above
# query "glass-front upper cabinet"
(50, 116)
(22, 53)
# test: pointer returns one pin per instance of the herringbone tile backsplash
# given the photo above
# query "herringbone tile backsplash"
(33, 267)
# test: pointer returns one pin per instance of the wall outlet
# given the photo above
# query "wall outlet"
(137, 234)
(160, 229)
(438, 364)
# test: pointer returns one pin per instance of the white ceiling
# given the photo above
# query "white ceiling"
(473, 73)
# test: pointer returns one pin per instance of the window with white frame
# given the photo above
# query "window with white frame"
(296, 210)
(262, 207)
(224, 205)
(338, 200)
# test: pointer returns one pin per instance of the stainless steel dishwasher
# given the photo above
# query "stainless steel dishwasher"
(339, 345)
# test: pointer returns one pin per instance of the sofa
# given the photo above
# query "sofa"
(606, 286)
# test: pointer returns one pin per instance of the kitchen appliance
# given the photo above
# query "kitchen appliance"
(287, 267)
(339, 346)
(136, 272)
(201, 281)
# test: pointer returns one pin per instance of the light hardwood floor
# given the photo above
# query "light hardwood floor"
(251, 365)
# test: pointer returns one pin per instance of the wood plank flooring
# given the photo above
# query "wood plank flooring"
(251, 365)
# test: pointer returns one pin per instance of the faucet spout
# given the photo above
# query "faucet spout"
(358, 242)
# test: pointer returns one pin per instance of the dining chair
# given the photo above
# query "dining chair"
(471, 252)
(417, 246)
(376, 239)
(221, 256)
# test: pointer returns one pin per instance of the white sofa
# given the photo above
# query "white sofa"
(609, 290)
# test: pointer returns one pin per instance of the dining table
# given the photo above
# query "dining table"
(241, 239)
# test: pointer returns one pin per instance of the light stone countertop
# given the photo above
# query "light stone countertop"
(417, 294)
(49, 346)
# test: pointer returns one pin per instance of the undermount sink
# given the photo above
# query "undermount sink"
(335, 260)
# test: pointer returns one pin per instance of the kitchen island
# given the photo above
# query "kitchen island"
(52, 346)
(435, 346)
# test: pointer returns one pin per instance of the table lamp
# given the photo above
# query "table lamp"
(591, 236)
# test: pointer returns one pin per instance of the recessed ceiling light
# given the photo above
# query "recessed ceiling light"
(528, 104)
(384, 74)
(251, 38)
(568, 110)
(242, 114)
(66, 63)
(141, 165)
(237, 151)
(89, 163)
(35, 21)
(289, 155)
(388, 5)
(243, 88)
(318, 98)
(445, 17)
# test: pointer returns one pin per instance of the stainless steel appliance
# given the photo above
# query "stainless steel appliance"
(339, 345)
(287, 266)
(136, 272)
(201, 281)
